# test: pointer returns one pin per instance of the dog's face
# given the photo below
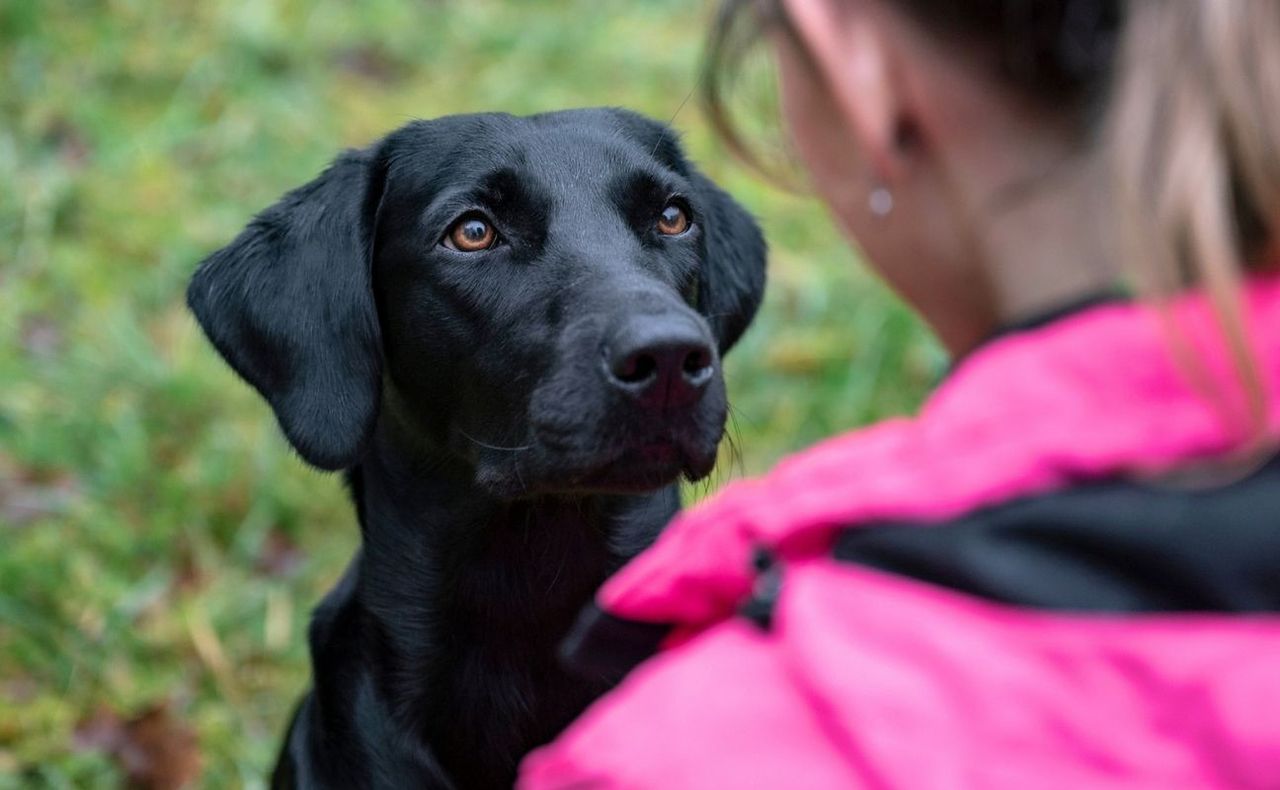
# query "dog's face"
(545, 299)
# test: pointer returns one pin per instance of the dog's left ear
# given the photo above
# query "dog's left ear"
(289, 304)
(731, 283)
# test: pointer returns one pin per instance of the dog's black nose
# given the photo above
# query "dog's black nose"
(663, 360)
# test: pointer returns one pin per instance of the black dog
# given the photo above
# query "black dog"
(508, 331)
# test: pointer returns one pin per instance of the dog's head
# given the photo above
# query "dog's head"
(546, 299)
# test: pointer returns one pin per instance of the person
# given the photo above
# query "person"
(1063, 571)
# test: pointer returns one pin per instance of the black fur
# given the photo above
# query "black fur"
(500, 464)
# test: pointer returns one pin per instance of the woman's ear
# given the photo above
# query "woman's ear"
(848, 50)
(289, 304)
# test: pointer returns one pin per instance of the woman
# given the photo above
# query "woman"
(1064, 571)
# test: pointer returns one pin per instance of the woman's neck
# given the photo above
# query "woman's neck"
(1041, 246)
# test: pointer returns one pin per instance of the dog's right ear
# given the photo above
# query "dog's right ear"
(289, 304)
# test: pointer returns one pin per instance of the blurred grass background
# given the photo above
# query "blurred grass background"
(159, 544)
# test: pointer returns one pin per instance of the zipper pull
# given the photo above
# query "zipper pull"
(758, 608)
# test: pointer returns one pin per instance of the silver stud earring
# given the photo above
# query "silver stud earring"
(880, 201)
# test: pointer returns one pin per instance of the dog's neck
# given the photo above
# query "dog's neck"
(430, 534)
(455, 585)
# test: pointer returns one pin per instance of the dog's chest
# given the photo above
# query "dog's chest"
(500, 688)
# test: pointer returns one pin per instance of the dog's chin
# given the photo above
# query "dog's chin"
(643, 469)
(635, 470)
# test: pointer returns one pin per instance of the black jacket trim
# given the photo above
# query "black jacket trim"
(1116, 546)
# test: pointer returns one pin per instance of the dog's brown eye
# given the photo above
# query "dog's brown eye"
(673, 220)
(470, 234)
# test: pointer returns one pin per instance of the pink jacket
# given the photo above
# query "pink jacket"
(864, 678)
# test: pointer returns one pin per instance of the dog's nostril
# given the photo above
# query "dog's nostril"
(697, 367)
(696, 361)
(636, 368)
(660, 362)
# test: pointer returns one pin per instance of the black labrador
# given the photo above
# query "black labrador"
(508, 332)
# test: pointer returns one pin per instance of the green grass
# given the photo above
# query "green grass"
(147, 502)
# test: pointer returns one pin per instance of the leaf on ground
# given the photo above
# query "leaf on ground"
(189, 573)
(154, 749)
(279, 556)
(27, 495)
(371, 63)
(70, 143)
(42, 338)
(20, 688)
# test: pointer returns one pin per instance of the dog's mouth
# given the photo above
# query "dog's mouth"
(634, 468)
(646, 467)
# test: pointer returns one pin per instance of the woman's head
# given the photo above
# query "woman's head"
(1034, 150)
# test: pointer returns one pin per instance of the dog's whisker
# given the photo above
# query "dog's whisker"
(515, 465)
(559, 570)
(735, 442)
(488, 446)
(735, 413)
(679, 107)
